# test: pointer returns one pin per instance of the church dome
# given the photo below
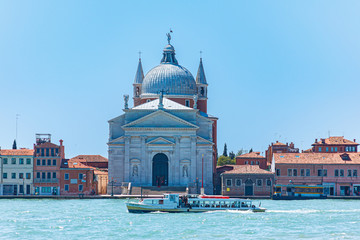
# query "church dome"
(169, 76)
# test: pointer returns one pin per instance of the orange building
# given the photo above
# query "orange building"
(279, 147)
(333, 145)
(79, 178)
(47, 161)
(253, 158)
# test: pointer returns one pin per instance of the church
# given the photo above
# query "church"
(167, 138)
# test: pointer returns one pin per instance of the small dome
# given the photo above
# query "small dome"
(169, 47)
(173, 78)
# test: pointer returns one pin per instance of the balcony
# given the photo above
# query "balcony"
(51, 180)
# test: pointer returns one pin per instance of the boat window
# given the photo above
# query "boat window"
(161, 201)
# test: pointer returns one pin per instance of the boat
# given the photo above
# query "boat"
(174, 203)
(298, 192)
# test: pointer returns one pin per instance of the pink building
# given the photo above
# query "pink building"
(337, 172)
(253, 158)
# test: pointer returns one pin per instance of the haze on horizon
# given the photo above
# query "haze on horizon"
(278, 70)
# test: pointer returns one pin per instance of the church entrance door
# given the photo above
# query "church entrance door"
(160, 170)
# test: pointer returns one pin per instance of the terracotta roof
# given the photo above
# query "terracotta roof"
(310, 150)
(251, 155)
(316, 158)
(91, 158)
(17, 152)
(335, 141)
(278, 144)
(76, 163)
(247, 169)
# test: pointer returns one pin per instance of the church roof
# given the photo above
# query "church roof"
(168, 104)
(139, 74)
(200, 77)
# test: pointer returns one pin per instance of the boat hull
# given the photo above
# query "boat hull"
(141, 208)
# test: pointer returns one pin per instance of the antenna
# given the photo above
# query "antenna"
(140, 54)
(201, 54)
(16, 129)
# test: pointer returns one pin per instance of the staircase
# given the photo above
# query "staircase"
(157, 190)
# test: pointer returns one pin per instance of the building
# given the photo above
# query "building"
(333, 145)
(253, 158)
(247, 180)
(97, 161)
(16, 166)
(167, 138)
(77, 178)
(279, 147)
(337, 172)
(47, 161)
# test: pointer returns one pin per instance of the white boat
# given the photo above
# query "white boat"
(191, 203)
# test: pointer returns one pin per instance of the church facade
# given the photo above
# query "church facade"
(167, 138)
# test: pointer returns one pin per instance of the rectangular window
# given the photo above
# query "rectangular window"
(252, 163)
(47, 152)
(354, 173)
(246, 162)
(319, 172)
(38, 162)
(13, 175)
(319, 149)
(5, 160)
(80, 176)
(49, 175)
(349, 172)
(49, 162)
(228, 182)
(21, 189)
(302, 172)
(289, 172)
(43, 175)
(38, 175)
(54, 174)
(52, 152)
(21, 161)
(54, 162)
(42, 152)
(187, 103)
(268, 182)
(66, 176)
(327, 149)
(259, 182)
(21, 175)
(28, 175)
(238, 182)
(295, 172)
(66, 187)
(28, 161)
(4, 175)
(336, 173)
(43, 162)
(80, 187)
(278, 172)
(341, 172)
(335, 149)
(332, 149)
(308, 172)
(325, 172)
(13, 161)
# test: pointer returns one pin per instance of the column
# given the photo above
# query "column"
(127, 158)
(177, 160)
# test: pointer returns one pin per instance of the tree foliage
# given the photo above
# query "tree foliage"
(14, 145)
(251, 150)
(240, 152)
(225, 160)
(232, 155)
(225, 150)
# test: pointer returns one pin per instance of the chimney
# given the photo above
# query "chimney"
(323, 140)
(277, 141)
(315, 140)
(61, 142)
(354, 140)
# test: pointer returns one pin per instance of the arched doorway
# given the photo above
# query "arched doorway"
(160, 170)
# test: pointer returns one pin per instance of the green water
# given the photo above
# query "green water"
(108, 219)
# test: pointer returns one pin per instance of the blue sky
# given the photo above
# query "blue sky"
(277, 70)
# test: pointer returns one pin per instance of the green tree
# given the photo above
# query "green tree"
(250, 150)
(224, 160)
(232, 155)
(14, 145)
(241, 152)
(225, 150)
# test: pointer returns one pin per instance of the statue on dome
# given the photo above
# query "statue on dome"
(169, 36)
(126, 100)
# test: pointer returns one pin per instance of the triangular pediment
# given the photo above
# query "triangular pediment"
(119, 140)
(160, 119)
(160, 141)
(201, 140)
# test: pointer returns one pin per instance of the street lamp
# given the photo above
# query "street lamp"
(112, 186)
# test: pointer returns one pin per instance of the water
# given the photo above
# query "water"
(108, 219)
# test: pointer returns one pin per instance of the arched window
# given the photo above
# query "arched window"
(202, 91)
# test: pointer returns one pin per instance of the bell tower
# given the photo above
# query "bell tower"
(201, 87)
(138, 82)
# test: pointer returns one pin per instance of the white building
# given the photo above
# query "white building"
(167, 138)
(16, 171)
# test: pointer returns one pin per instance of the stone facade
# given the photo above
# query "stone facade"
(180, 135)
